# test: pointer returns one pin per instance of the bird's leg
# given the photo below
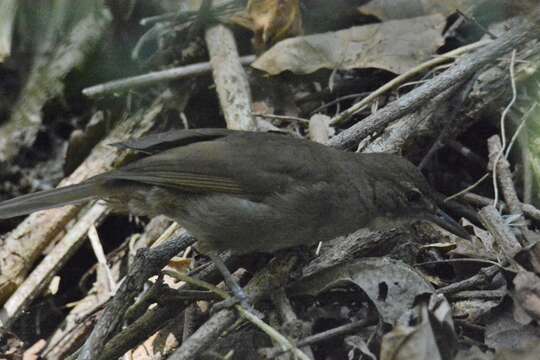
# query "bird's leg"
(239, 293)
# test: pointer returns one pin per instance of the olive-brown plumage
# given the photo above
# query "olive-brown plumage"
(251, 192)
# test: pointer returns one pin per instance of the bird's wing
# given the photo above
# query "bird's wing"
(248, 164)
(156, 143)
(184, 181)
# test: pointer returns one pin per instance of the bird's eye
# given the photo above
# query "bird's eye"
(413, 195)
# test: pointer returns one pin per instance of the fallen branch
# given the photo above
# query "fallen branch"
(462, 70)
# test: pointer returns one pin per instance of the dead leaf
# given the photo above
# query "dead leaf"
(484, 236)
(404, 9)
(424, 333)
(270, 20)
(527, 293)
(390, 284)
(395, 46)
(504, 333)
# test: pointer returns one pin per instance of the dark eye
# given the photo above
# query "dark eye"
(413, 195)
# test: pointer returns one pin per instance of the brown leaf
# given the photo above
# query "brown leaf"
(505, 333)
(391, 285)
(270, 20)
(395, 46)
(527, 293)
(424, 333)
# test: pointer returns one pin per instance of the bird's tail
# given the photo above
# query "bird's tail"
(48, 199)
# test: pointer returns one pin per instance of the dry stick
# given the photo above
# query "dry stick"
(504, 176)
(401, 131)
(261, 284)
(231, 80)
(101, 258)
(147, 263)
(483, 277)
(247, 315)
(288, 317)
(502, 126)
(138, 331)
(502, 234)
(475, 199)
(479, 294)
(282, 117)
(461, 70)
(450, 128)
(329, 334)
(356, 108)
(155, 77)
(519, 128)
(273, 276)
(150, 322)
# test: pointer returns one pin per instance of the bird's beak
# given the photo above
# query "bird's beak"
(446, 222)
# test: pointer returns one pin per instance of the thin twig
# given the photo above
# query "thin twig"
(332, 333)
(147, 263)
(504, 177)
(475, 199)
(483, 277)
(501, 233)
(520, 127)
(155, 77)
(282, 117)
(347, 114)
(290, 320)
(285, 344)
(337, 100)
(468, 188)
(463, 69)
(502, 127)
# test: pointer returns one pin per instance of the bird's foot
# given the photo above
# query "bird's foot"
(237, 299)
(240, 296)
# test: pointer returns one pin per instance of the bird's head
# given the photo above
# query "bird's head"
(403, 194)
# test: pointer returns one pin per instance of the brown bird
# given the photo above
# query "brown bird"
(254, 192)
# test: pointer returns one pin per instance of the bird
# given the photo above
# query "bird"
(254, 192)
